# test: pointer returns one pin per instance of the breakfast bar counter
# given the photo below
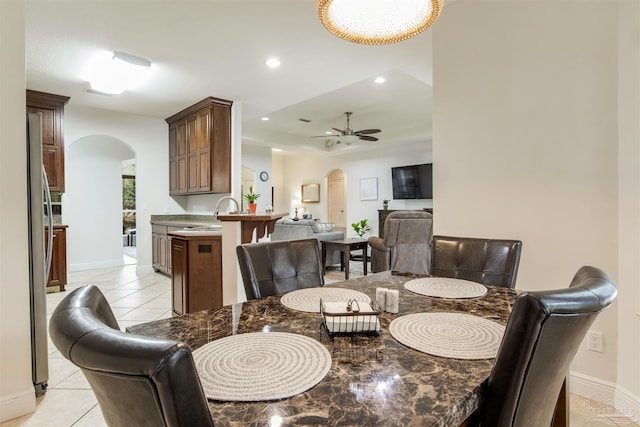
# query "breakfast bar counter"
(373, 379)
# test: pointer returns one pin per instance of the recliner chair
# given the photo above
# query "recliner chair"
(275, 268)
(406, 247)
(487, 261)
(542, 336)
(138, 380)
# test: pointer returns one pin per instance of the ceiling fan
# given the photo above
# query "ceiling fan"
(348, 136)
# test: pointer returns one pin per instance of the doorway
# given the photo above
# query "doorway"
(129, 236)
(336, 198)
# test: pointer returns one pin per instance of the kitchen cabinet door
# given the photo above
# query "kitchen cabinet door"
(52, 109)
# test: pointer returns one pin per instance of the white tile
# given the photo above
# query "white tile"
(60, 370)
(143, 314)
(93, 418)
(57, 408)
(76, 381)
(163, 301)
(131, 301)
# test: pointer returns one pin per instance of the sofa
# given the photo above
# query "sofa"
(288, 229)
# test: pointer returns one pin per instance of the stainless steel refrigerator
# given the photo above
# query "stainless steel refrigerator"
(39, 261)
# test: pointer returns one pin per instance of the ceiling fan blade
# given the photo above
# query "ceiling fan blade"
(323, 136)
(367, 138)
(338, 130)
(367, 131)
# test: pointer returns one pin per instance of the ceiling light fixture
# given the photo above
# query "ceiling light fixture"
(380, 80)
(264, 119)
(348, 139)
(117, 71)
(273, 63)
(377, 21)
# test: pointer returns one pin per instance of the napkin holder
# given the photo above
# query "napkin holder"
(351, 317)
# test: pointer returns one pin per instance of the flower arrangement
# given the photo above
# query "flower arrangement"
(361, 227)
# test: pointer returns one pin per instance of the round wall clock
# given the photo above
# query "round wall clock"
(264, 176)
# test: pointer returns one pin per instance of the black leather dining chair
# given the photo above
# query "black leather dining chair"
(275, 268)
(486, 261)
(137, 380)
(542, 336)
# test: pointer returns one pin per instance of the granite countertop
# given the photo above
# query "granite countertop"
(195, 233)
(183, 220)
(374, 380)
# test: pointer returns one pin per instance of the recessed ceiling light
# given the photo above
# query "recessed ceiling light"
(273, 62)
(264, 119)
(380, 80)
(277, 150)
(329, 132)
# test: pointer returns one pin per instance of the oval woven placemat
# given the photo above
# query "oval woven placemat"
(309, 299)
(260, 366)
(444, 287)
(451, 335)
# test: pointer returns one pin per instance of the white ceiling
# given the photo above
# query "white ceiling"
(218, 48)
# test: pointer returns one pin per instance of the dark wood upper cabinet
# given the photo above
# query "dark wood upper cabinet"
(52, 109)
(200, 148)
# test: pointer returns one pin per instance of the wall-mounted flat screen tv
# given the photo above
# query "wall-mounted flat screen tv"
(412, 182)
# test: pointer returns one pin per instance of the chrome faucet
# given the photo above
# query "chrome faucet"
(226, 198)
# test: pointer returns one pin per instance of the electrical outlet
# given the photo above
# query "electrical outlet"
(594, 341)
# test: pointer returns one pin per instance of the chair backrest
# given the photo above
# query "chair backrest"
(137, 380)
(275, 268)
(487, 261)
(541, 339)
(408, 234)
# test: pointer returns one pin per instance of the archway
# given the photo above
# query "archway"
(93, 201)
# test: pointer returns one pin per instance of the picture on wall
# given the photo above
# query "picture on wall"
(369, 189)
(310, 193)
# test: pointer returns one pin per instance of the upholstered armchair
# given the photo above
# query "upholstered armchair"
(406, 247)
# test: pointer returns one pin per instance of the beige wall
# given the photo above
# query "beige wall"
(526, 133)
(16, 390)
(629, 197)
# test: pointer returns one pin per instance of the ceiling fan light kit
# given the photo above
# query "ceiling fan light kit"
(377, 22)
(348, 136)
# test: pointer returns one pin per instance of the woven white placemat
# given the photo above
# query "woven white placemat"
(261, 366)
(444, 287)
(451, 335)
(309, 299)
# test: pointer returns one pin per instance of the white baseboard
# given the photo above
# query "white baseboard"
(118, 262)
(18, 404)
(602, 391)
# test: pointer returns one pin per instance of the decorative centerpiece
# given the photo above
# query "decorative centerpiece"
(251, 198)
(352, 317)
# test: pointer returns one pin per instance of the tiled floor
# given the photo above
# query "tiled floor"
(138, 298)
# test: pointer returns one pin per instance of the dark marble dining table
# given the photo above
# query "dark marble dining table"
(373, 381)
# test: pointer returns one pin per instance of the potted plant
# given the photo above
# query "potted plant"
(361, 227)
(251, 198)
(385, 204)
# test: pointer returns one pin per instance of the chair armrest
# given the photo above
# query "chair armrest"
(378, 243)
